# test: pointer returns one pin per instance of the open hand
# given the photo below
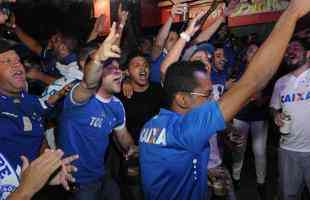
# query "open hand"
(108, 49)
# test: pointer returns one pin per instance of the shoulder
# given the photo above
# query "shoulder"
(282, 82)
(115, 104)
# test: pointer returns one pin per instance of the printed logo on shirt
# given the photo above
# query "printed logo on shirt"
(295, 97)
(154, 136)
(8, 178)
(27, 123)
(96, 122)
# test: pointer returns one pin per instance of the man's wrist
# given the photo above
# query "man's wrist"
(20, 194)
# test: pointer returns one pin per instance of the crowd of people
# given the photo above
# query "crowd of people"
(159, 122)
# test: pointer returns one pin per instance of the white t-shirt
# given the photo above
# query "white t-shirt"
(70, 74)
(292, 94)
(9, 178)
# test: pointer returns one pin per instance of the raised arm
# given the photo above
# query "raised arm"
(93, 69)
(97, 29)
(122, 20)
(163, 33)
(265, 62)
(207, 34)
(30, 42)
(176, 51)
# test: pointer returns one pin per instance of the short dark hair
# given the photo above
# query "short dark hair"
(302, 42)
(218, 45)
(70, 41)
(180, 78)
(5, 45)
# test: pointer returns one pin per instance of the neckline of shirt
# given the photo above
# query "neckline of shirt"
(104, 100)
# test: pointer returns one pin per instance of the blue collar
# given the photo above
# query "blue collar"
(5, 97)
(164, 111)
(72, 57)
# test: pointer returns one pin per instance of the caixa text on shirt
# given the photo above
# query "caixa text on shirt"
(301, 96)
(8, 178)
(154, 136)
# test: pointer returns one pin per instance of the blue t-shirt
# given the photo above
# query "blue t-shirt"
(84, 129)
(21, 125)
(155, 68)
(174, 152)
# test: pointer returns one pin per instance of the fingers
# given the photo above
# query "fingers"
(112, 33)
(51, 160)
(116, 49)
(69, 159)
(25, 163)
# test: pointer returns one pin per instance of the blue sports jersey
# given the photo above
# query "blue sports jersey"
(21, 125)
(84, 129)
(174, 152)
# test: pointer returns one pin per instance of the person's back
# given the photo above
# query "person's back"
(178, 165)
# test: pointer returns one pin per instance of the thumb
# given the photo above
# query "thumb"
(25, 163)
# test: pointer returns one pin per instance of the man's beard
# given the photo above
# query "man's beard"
(298, 64)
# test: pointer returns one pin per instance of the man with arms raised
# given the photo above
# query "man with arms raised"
(174, 145)
(91, 113)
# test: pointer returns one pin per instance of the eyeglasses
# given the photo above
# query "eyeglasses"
(208, 94)
(9, 61)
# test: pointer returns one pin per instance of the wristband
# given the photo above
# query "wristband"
(185, 37)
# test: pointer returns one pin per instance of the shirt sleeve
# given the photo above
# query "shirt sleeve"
(275, 101)
(41, 106)
(196, 127)
(69, 101)
(121, 117)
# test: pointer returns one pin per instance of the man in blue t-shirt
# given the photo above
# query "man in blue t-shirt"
(21, 120)
(91, 113)
(21, 115)
(174, 144)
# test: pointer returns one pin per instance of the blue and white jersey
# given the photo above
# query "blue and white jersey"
(84, 129)
(174, 152)
(21, 125)
(9, 177)
(292, 95)
(70, 73)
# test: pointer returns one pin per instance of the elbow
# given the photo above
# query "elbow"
(90, 85)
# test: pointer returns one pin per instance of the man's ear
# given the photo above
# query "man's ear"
(183, 100)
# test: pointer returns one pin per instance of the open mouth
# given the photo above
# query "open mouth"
(19, 75)
(143, 75)
(118, 80)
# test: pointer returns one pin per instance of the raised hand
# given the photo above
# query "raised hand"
(122, 15)
(98, 27)
(108, 49)
(193, 26)
(231, 7)
(179, 9)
